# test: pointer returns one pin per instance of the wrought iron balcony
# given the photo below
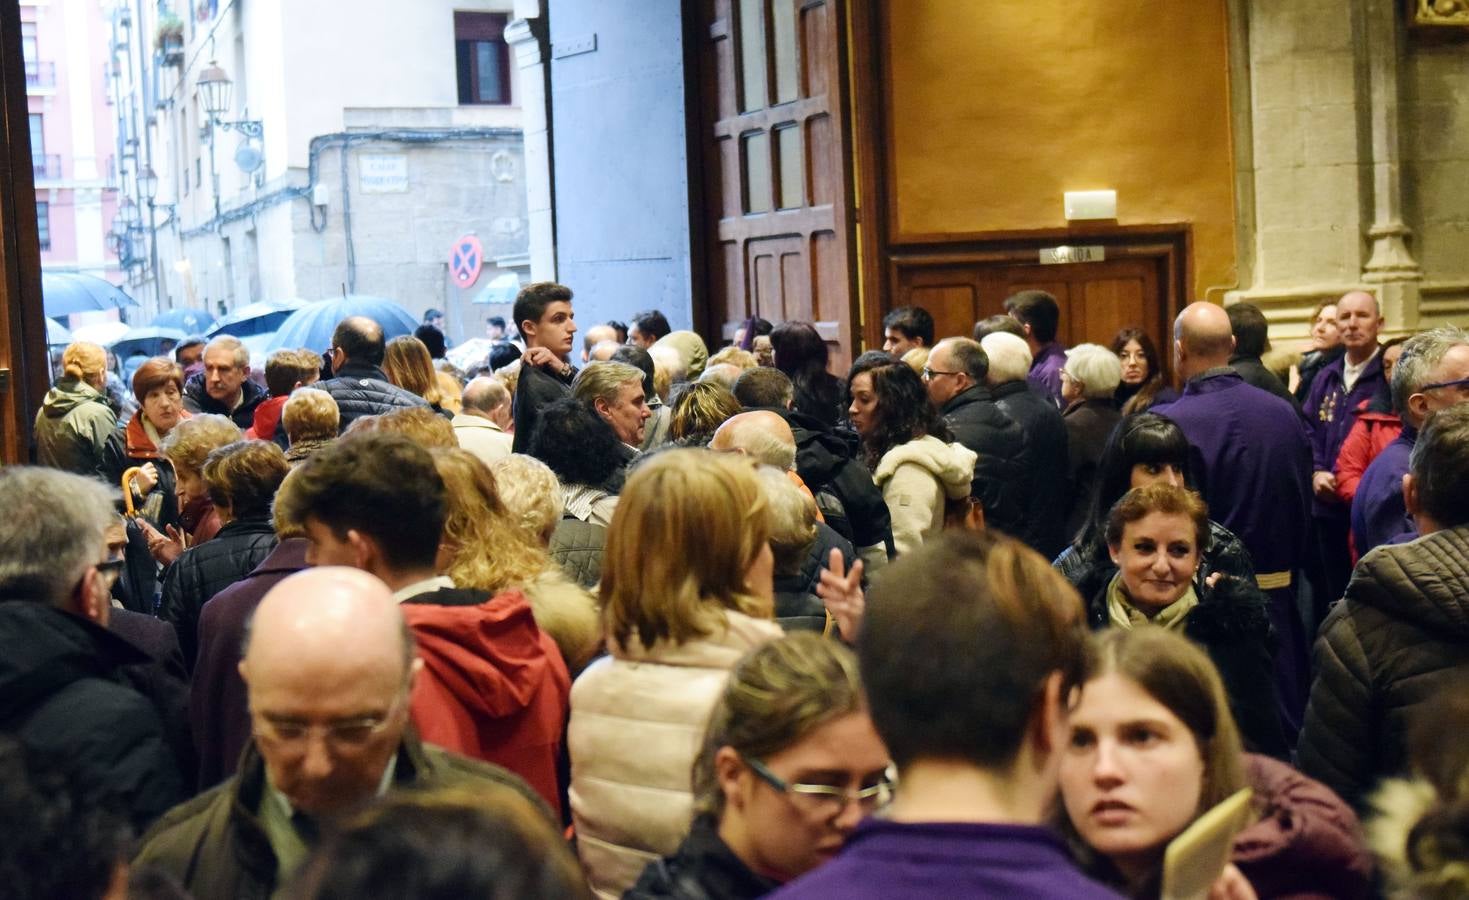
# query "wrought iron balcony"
(40, 74)
(47, 166)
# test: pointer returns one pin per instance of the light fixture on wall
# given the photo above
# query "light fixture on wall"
(215, 92)
(1090, 205)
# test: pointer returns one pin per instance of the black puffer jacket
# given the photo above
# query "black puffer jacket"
(1232, 624)
(1398, 638)
(703, 868)
(999, 474)
(362, 390)
(63, 693)
(205, 570)
(197, 401)
(1046, 465)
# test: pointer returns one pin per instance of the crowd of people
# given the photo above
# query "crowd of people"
(617, 614)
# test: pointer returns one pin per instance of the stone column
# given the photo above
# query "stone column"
(1391, 266)
(528, 40)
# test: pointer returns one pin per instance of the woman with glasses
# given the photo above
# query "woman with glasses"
(791, 763)
(1142, 385)
(686, 591)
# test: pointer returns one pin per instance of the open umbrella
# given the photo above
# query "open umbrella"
(264, 317)
(189, 321)
(502, 290)
(104, 333)
(312, 325)
(64, 293)
(147, 340)
(56, 334)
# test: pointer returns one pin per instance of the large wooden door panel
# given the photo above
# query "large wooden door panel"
(776, 178)
(1139, 286)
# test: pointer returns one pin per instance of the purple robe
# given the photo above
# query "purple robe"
(1251, 463)
(1378, 511)
(1045, 371)
(219, 710)
(1250, 457)
(923, 860)
(1329, 408)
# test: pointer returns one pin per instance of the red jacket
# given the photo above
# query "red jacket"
(267, 417)
(1306, 844)
(493, 685)
(1370, 433)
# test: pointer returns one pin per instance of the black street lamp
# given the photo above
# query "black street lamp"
(215, 89)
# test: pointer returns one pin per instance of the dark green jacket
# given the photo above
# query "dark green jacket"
(72, 427)
(216, 846)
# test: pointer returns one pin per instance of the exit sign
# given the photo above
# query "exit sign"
(1056, 255)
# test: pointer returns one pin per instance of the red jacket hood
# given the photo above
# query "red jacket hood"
(490, 657)
(267, 417)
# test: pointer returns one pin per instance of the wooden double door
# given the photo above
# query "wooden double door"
(776, 189)
(1138, 284)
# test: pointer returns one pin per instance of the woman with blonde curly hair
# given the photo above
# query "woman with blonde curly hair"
(409, 366)
(686, 591)
(490, 549)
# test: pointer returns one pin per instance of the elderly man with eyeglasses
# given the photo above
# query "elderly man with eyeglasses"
(329, 664)
(64, 687)
(1432, 374)
(955, 379)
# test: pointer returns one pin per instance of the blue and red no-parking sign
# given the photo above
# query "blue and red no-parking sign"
(466, 260)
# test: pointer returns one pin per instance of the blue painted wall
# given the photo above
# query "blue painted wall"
(619, 151)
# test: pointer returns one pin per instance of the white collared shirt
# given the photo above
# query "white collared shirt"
(408, 592)
(1350, 373)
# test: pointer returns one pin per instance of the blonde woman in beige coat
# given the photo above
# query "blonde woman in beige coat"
(686, 591)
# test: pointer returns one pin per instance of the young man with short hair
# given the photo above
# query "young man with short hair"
(547, 323)
(975, 728)
(905, 328)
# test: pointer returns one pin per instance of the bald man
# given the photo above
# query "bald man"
(595, 335)
(358, 382)
(329, 665)
(1250, 460)
(766, 437)
(1338, 390)
(480, 426)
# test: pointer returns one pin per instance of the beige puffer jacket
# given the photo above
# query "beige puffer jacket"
(916, 478)
(637, 722)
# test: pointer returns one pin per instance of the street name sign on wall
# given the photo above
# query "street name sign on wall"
(382, 173)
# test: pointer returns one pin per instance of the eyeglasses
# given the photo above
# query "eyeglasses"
(1460, 385)
(111, 570)
(342, 736)
(928, 373)
(825, 797)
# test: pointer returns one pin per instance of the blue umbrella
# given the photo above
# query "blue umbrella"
(502, 290)
(64, 293)
(56, 334)
(264, 317)
(189, 321)
(147, 340)
(312, 325)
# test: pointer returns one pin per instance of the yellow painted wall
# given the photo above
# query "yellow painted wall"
(1000, 106)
